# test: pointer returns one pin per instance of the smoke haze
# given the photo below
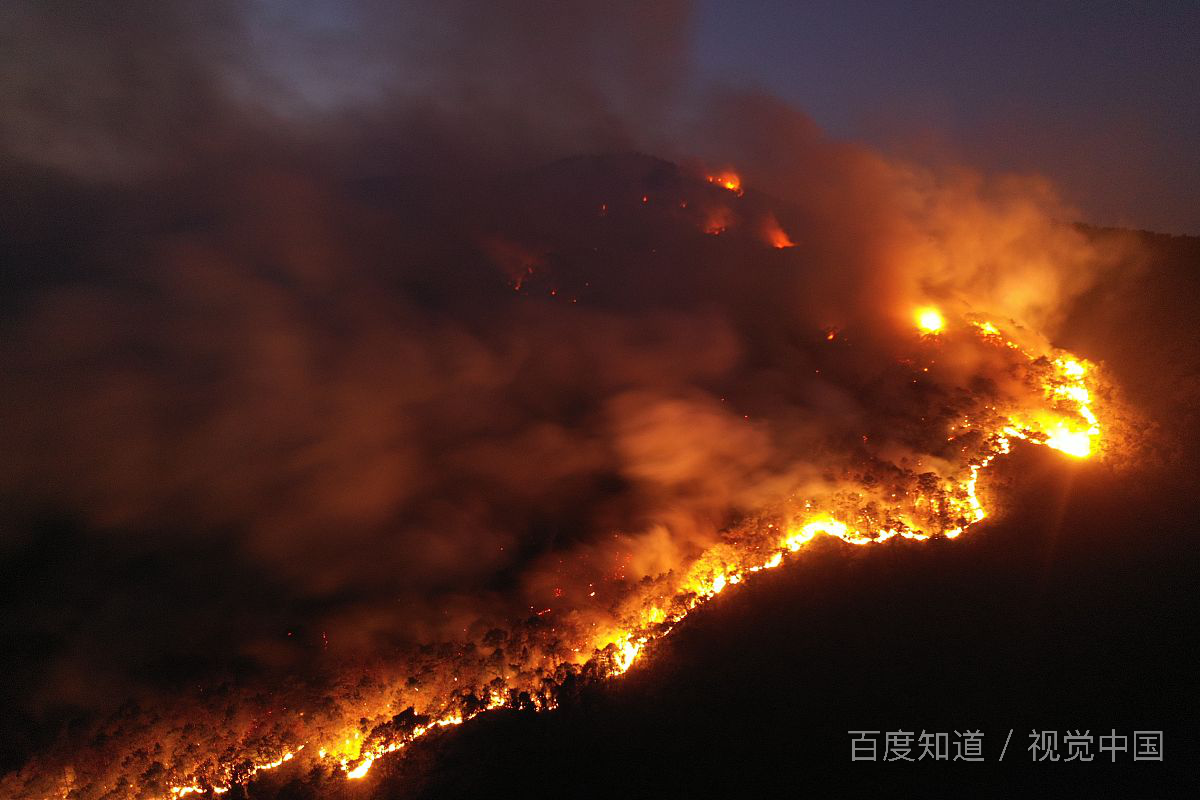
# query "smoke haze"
(331, 331)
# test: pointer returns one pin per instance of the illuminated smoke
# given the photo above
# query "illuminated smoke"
(485, 423)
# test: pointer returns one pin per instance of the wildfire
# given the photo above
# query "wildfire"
(1070, 430)
(727, 180)
(929, 320)
(902, 504)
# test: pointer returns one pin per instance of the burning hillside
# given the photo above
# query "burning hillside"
(633, 416)
(338, 414)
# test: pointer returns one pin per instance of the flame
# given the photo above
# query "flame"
(1073, 443)
(1056, 410)
(929, 320)
(1070, 426)
(727, 180)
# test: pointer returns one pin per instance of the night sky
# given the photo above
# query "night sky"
(1102, 97)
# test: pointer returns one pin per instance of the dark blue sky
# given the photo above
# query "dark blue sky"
(1101, 97)
(1104, 98)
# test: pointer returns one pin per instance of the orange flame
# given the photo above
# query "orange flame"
(727, 180)
(929, 320)
(1064, 419)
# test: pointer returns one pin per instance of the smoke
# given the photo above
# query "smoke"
(315, 349)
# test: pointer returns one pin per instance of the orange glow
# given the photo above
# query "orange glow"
(929, 320)
(776, 236)
(717, 221)
(727, 180)
(1055, 406)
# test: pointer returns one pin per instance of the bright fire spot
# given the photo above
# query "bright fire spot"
(625, 656)
(727, 180)
(929, 319)
(1071, 368)
(1073, 443)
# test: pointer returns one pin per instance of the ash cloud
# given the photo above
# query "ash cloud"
(311, 330)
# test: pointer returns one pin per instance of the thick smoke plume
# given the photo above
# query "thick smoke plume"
(337, 333)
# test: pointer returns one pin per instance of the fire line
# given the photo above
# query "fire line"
(1068, 424)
